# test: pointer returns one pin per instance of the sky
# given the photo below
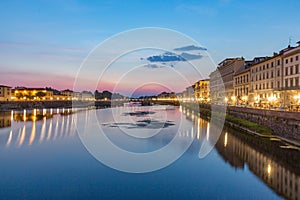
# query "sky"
(44, 43)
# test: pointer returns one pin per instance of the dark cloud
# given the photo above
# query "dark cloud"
(190, 48)
(171, 57)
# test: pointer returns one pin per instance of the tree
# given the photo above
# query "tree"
(40, 95)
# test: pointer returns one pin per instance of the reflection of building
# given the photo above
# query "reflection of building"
(202, 90)
(5, 93)
(43, 126)
(279, 168)
(5, 119)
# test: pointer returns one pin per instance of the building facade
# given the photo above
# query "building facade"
(226, 70)
(24, 93)
(291, 78)
(265, 81)
(202, 93)
(5, 93)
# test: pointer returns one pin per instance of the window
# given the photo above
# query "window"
(268, 66)
(272, 64)
(291, 70)
(278, 73)
(259, 68)
(278, 84)
(291, 82)
(278, 62)
(296, 69)
(297, 81)
(267, 86)
(297, 58)
(286, 82)
(272, 74)
(286, 61)
(263, 67)
(286, 71)
(291, 59)
(272, 85)
(267, 75)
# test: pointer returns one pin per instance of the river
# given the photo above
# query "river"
(58, 154)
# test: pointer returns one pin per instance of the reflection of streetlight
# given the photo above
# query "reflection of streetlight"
(269, 169)
(226, 99)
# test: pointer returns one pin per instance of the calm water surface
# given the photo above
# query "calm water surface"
(42, 157)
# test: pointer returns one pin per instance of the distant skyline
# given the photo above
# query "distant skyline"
(43, 43)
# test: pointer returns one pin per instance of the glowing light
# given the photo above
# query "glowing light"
(269, 169)
(226, 139)
(233, 98)
(32, 135)
(24, 115)
(198, 129)
(12, 115)
(9, 139)
(22, 137)
(207, 134)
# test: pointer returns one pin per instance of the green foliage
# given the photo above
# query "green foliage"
(241, 122)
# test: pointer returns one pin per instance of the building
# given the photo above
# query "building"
(275, 81)
(266, 80)
(87, 96)
(24, 93)
(226, 69)
(202, 90)
(67, 93)
(291, 77)
(5, 93)
(242, 85)
(215, 87)
(189, 93)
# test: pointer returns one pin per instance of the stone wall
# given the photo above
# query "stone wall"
(282, 123)
(18, 105)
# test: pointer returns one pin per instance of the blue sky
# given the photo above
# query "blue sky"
(44, 42)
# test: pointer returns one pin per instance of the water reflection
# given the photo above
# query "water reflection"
(35, 126)
(276, 166)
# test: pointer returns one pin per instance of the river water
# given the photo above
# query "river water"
(57, 154)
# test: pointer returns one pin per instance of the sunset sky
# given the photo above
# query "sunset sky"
(43, 43)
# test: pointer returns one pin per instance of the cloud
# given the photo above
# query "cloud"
(154, 66)
(171, 57)
(190, 48)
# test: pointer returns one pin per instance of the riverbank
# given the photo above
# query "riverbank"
(20, 105)
(284, 126)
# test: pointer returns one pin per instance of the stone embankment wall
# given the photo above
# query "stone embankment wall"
(282, 123)
(18, 105)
